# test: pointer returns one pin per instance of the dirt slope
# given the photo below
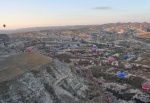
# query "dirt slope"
(17, 64)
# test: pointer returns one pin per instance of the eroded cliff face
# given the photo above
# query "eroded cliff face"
(52, 83)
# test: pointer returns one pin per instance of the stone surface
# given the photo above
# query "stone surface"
(53, 83)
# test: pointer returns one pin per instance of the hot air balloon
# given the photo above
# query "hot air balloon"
(78, 44)
(57, 48)
(29, 49)
(4, 25)
(125, 56)
(74, 52)
(94, 45)
(121, 75)
(69, 45)
(110, 59)
(93, 50)
(146, 86)
(128, 49)
(98, 52)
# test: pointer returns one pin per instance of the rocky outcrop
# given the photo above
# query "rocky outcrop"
(52, 83)
(4, 37)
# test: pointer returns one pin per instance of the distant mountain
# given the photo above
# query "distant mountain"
(108, 31)
(24, 30)
(35, 29)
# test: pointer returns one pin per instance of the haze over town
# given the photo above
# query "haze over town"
(37, 13)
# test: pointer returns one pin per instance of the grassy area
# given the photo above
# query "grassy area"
(14, 65)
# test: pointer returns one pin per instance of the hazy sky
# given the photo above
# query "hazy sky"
(33, 13)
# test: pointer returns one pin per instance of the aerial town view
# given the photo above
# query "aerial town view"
(100, 54)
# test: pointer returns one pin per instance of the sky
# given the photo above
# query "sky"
(37, 13)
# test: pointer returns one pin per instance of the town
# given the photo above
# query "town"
(107, 63)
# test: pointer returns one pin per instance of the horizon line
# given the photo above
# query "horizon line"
(68, 25)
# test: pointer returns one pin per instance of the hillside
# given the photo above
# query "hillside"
(77, 64)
